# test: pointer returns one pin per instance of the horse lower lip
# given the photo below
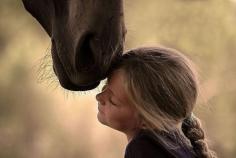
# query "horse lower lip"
(74, 87)
(66, 82)
(87, 87)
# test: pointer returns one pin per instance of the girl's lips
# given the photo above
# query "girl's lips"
(99, 108)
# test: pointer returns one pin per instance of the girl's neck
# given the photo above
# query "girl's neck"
(131, 134)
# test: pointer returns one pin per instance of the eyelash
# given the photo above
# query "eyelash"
(112, 102)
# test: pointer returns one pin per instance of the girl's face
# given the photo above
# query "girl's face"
(114, 108)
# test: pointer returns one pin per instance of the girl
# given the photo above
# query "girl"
(149, 96)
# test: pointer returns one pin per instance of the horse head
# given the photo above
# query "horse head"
(86, 37)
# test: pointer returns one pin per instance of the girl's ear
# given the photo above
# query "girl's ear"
(142, 123)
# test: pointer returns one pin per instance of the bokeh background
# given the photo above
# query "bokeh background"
(40, 119)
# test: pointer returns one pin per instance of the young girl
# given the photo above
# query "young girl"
(150, 95)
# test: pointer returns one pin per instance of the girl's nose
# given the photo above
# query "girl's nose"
(100, 99)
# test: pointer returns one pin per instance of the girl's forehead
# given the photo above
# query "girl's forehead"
(115, 79)
(115, 75)
(116, 84)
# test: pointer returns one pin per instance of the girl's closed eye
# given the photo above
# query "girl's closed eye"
(112, 102)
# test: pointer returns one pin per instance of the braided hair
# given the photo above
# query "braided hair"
(192, 129)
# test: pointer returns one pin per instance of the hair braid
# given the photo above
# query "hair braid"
(192, 129)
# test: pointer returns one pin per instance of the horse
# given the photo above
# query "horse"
(87, 36)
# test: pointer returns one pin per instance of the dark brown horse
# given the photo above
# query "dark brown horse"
(87, 36)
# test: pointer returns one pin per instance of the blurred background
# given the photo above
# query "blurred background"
(40, 119)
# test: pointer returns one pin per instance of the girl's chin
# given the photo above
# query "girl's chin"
(100, 118)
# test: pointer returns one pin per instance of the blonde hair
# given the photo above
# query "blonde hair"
(163, 86)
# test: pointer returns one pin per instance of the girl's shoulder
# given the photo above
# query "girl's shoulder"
(147, 145)
(144, 145)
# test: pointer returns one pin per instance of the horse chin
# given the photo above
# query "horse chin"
(73, 87)
(88, 87)
(68, 84)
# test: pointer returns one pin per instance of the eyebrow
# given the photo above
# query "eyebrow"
(112, 93)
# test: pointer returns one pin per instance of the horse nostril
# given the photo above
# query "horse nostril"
(84, 54)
